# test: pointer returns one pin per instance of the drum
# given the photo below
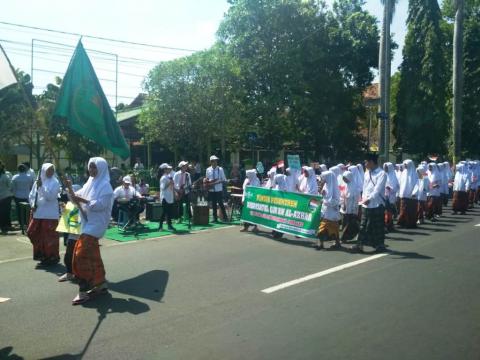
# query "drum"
(200, 215)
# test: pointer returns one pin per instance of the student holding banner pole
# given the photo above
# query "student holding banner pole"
(330, 213)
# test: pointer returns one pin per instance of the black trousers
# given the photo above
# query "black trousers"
(68, 258)
(21, 219)
(185, 199)
(166, 213)
(5, 208)
(216, 198)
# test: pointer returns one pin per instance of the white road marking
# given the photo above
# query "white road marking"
(2, 300)
(477, 225)
(16, 259)
(321, 273)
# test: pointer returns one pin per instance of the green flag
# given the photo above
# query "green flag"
(82, 102)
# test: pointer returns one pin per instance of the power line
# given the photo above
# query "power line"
(61, 51)
(96, 37)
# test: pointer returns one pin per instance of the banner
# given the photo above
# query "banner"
(294, 162)
(286, 212)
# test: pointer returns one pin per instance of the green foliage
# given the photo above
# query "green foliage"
(292, 71)
(193, 103)
(471, 70)
(422, 123)
(471, 96)
(16, 113)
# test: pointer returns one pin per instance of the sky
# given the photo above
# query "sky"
(184, 24)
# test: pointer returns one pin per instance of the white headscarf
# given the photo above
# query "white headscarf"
(323, 167)
(408, 180)
(43, 173)
(280, 182)
(330, 191)
(392, 181)
(351, 188)
(271, 175)
(97, 186)
(252, 178)
(398, 171)
(361, 176)
(311, 186)
(48, 183)
(434, 174)
(355, 178)
(460, 182)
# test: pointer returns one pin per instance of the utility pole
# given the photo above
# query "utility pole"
(458, 80)
(381, 69)
(386, 94)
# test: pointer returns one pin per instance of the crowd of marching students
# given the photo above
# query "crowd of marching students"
(366, 199)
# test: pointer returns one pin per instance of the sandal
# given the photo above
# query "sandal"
(80, 298)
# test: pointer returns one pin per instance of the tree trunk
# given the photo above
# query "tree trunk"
(382, 71)
(457, 81)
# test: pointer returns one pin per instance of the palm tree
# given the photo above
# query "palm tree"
(457, 79)
(384, 65)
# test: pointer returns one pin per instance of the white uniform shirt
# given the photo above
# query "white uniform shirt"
(180, 179)
(21, 185)
(98, 212)
(47, 201)
(122, 193)
(374, 188)
(166, 189)
(216, 174)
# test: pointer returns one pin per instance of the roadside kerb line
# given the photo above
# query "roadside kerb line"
(285, 285)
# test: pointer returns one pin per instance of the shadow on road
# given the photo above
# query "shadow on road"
(408, 255)
(150, 285)
(396, 238)
(435, 229)
(408, 232)
(6, 353)
(57, 269)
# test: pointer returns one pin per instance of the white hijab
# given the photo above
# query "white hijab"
(330, 191)
(97, 186)
(392, 180)
(271, 178)
(252, 178)
(408, 179)
(49, 183)
(311, 186)
(460, 182)
(280, 182)
(355, 178)
(361, 176)
(46, 181)
(351, 188)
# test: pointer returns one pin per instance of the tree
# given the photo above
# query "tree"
(304, 73)
(16, 113)
(192, 103)
(469, 131)
(421, 119)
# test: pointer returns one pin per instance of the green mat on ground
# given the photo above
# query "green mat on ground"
(149, 230)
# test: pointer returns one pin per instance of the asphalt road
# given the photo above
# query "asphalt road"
(200, 296)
